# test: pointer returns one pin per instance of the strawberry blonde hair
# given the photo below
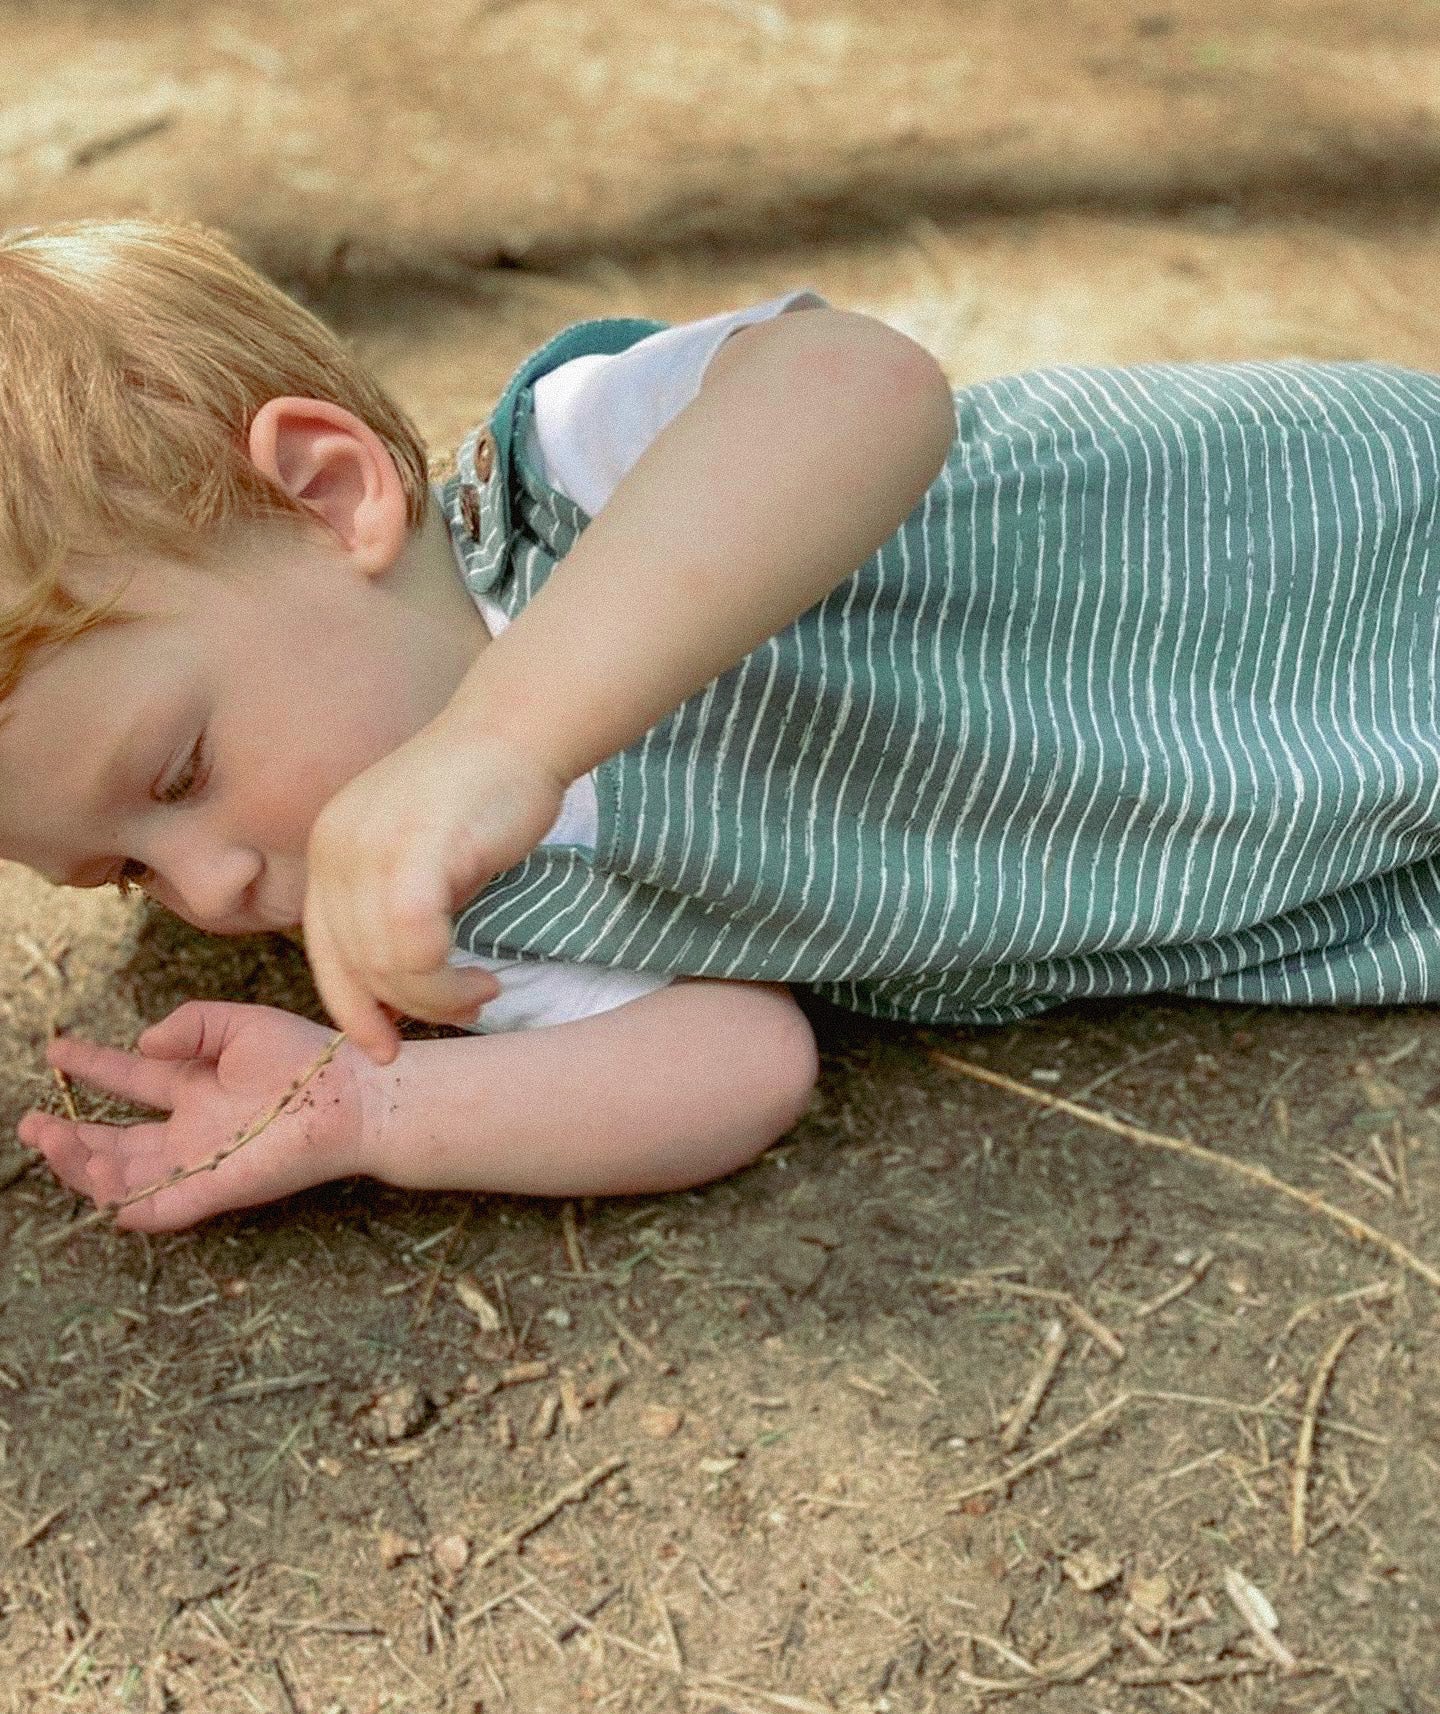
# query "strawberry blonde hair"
(134, 356)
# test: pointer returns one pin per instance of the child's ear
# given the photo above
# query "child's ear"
(340, 471)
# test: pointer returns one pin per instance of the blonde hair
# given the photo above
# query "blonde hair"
(134, 355)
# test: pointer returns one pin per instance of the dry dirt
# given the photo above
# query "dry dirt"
(279, 1464)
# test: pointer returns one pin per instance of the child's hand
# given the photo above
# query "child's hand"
(214, 1068)
(393, 855)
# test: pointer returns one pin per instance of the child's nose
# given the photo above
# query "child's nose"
(211, 883)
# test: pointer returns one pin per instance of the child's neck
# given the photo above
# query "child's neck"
(428, 574)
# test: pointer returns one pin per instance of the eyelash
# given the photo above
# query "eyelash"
(190, 778)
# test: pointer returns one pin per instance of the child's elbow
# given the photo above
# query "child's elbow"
(783, 1083)
(908, 388)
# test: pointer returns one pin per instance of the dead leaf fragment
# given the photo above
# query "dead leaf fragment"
(660, 1422)
(1149, 1603)
(1090, 1571)
(397, 1414)
(393, 1547)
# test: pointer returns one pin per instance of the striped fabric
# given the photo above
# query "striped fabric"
(1142, 697)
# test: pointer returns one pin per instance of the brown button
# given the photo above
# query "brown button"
(470, 509)
(484, 457)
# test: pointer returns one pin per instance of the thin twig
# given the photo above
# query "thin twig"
(1052, 1353)
(1045, 1455)
(1070, 1669)
(107, 1210)
(1305, 1445)
(1198, 1270)
(570, 1231)
(567, 1496)
(1205, 1671)
(1077, 1312)
(1348, 1223)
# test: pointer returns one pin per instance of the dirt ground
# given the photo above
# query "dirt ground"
(746, 1450)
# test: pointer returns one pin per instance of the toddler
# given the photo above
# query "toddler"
(733, 655)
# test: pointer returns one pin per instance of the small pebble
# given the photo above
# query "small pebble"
(451, 1554)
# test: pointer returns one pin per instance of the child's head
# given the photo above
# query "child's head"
(210, 616)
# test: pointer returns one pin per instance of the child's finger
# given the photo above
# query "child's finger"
(450, 995)
(127, 1075)
(357, 1012)
(77, 1153)
(200, 1029)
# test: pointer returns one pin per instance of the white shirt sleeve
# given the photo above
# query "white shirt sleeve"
(543, 991)
(594, 416)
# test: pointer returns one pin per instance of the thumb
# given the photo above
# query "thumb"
(200, 1029)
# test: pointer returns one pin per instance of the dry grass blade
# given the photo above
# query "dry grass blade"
(1348, 1223)
(1305, 1445)
(248, 1135)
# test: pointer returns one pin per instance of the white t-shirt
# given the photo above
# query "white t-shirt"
(593, 418)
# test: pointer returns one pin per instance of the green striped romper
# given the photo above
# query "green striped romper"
(1141, 697)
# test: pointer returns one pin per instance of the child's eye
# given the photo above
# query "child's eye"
(188, 779)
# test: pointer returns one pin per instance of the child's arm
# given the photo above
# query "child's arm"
(681, 1086)
(811, 439)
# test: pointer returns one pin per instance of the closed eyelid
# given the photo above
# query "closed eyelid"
(192, 774)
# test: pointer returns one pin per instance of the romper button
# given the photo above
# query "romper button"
(470, 510)
(484, 457)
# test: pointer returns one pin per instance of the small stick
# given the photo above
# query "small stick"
(1141, 1643)
(1198, 1271)
(28, 1537)
(62, 1082)
(1348, 1223)
(1203, 1671)
(701, 1681)
(632, 1340)
(1305, 1446)
(1239, 1407)
(571, 1234)
(427, 1297)
(1077, 1312)
(1003, 1649)
(1071, 1669)
(1052, 1353)
(1045, 1455)
(248, 1135)
(567, 1496)
(1361, 1294)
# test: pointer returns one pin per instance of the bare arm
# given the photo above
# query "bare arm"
(812, 438)
(679, 1087)
(684, 1085)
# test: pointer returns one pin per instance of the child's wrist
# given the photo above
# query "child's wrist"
(361, 1111)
